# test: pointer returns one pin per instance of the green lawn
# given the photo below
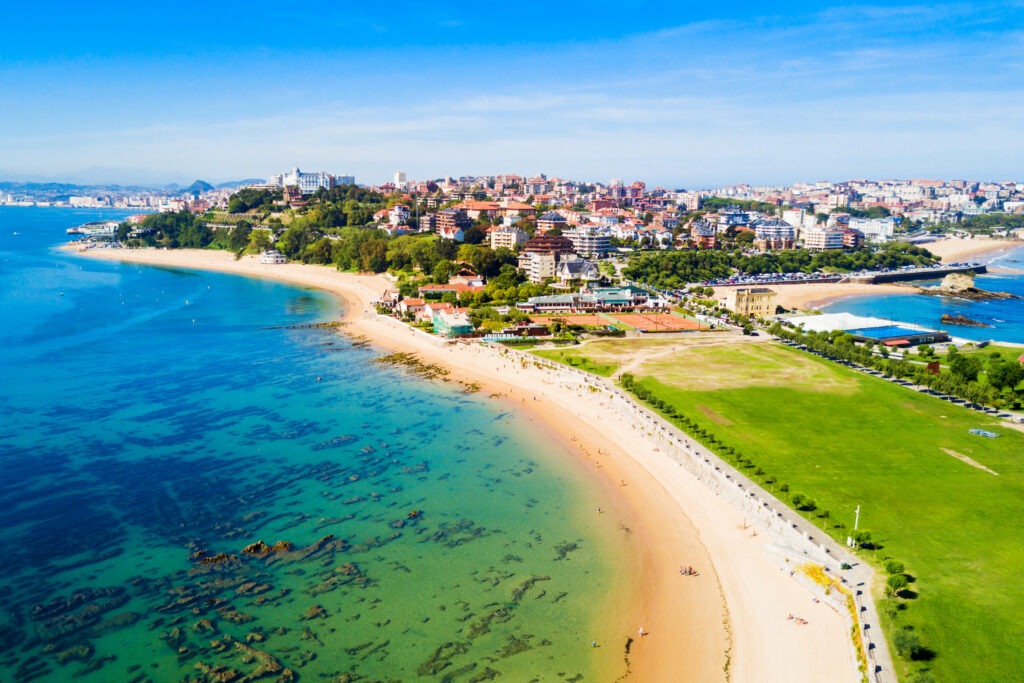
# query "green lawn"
(574, 359)
(846, 439)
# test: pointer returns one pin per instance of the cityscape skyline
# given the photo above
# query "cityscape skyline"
(678, 96)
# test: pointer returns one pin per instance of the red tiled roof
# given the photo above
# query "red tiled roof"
(450, 288)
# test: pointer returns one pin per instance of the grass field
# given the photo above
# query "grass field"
(846, 439)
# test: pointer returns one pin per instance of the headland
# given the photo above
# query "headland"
(729, 622)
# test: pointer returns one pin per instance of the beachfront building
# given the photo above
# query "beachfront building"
(590, 241)
(452, 323)
(822, 239)
(456, 288)
(410, 306)
(757, 302)
(272, 256)
(509, 237)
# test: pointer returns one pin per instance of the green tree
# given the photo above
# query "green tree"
(259, 240)
(896, 584)
(239, 236)
(906, 643)
(965, 368)
(1004, 373)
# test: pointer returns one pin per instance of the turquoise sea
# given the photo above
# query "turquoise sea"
(1004, 317)
(159, 423)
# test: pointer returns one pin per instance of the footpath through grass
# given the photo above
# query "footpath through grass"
(946, 503)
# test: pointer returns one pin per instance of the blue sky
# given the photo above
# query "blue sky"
(677, 94)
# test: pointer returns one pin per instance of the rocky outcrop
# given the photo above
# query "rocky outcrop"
(961, 286)
(948, 319)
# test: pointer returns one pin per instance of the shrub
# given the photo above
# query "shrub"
(893, 567)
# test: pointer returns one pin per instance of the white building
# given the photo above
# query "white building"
(538, 266)
(308, 183)
(272, 256)
(874, 229)
(398, 214)
(820, 239)
(401, 182)
(589, 241)
(507, 236)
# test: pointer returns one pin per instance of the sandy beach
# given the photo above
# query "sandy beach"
(807, 296)
(729, 622)
(954, 249)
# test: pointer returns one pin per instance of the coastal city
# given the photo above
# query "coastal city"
(443, 342)
(573, 275)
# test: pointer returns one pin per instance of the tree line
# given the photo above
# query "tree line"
(675, 269)
(1000, 388)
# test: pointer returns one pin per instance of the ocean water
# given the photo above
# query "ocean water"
(158, 422)
(1005, 318)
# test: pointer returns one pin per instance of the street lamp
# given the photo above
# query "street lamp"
(856, 522)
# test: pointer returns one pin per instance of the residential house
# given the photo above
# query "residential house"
(398, 214)
(577, 270)
(450, 219)
(550, 221)
(704, 235)
(451, 233)
(411, 306)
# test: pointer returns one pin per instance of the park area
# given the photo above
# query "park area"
(942, 501)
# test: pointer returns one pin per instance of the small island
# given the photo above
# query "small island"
(961, 286)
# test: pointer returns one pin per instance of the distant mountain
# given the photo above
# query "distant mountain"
(240, 183)
(199, 186)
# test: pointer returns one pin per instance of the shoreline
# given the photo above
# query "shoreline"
(728, 622)
(817, 295)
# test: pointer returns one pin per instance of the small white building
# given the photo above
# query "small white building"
(272, 256)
